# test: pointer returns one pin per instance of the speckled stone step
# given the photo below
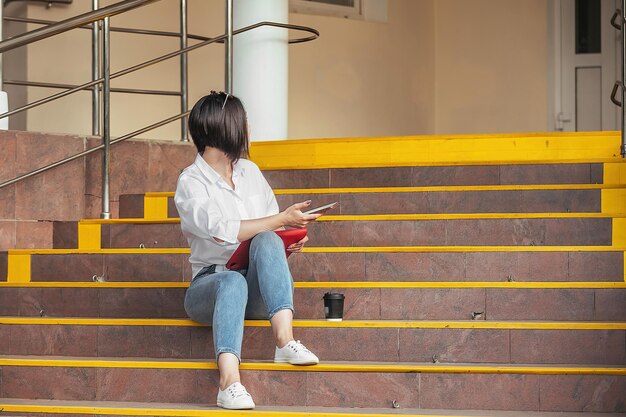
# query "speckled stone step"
(306, 387)
(564, 345)
(418, 176)
(177, 409)
(557, 231)
(476, 201)
(564, 304)
(421, 265)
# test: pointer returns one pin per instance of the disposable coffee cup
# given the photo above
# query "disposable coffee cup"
(333, 306)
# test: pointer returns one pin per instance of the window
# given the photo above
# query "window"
(349, 9)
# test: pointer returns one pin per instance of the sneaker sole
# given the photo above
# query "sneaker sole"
(222, 405)
(295, 362)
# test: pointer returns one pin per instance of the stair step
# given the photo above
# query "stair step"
(378, 230)
(416, 176)
(450, 200)
(406, 200)
(441, 150)
(402, 303)
(445, 342)
(349, 384)
(22, 407)
(406, 263)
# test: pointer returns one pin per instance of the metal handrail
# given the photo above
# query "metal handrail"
(315, 35)
(113, 28)
(623, 38)
(619, 85)
(102, 76)
(113, 90)
(161, 59)
(92, 150)
(71, 23)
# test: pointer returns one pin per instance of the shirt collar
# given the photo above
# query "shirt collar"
(211, 175)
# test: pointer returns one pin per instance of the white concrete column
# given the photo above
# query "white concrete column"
(4, 107)
(261, 67)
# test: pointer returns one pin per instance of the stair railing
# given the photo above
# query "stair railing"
(621, 13)
(105, 77)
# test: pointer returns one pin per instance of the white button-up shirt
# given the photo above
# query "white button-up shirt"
(210, 210)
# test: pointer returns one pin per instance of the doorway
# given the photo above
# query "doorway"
(586, 54)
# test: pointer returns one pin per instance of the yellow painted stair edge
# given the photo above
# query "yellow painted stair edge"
(362, 367)
(432, 188)
(352, 324)
(187, 411)
(438, 150)
(387, 217)
(339, 284)
(19, 260)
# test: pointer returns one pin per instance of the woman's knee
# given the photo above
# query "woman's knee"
(267, 242)
(201, 297)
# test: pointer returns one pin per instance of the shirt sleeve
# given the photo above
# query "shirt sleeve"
(200, 215)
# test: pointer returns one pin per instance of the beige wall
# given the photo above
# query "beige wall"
(67, 60)
(412, 75)
(362, 78)
(491, 66)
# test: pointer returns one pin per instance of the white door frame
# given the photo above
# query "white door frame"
(555, 67)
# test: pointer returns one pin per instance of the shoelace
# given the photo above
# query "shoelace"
(237, 390)
(296, 346)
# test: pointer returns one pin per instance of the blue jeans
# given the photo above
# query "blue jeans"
(224, 299)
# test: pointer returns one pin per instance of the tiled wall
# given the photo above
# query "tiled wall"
(73, 191)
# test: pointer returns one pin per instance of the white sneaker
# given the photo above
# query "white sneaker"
(295, 353)
(235, 397)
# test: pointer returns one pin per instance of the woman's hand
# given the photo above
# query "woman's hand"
(293, 216)
(297, 247)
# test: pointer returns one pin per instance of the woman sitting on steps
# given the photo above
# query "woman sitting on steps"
(223, 199)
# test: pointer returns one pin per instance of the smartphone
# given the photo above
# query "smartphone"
(322, 209)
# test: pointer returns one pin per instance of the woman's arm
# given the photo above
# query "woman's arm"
(292, 217)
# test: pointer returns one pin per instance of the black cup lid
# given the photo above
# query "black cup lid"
(333, 296)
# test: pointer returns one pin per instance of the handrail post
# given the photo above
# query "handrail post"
(228, 43)
(1, 38)
(95, 73)
(623, 48)
(106, 116)
(184, 134)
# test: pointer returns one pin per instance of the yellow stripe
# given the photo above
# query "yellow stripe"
(613, 200)
(322, 367)
(340, 284)
(437, 150)
(450, 249)
(619, 232)
(168, 220)
(69, 284)
(354, 324)
(397, 217)
(465, 284)
(187, 411)
(154, 207)
(18, 267)
(89, 236)
(444, 188)
(615, 173)
(127, 251)
(337, 249)
(469, 216)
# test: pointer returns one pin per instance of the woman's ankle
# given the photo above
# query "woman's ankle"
(228, 365)
(228, 380)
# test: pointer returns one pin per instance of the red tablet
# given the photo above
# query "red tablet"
(239, 259)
